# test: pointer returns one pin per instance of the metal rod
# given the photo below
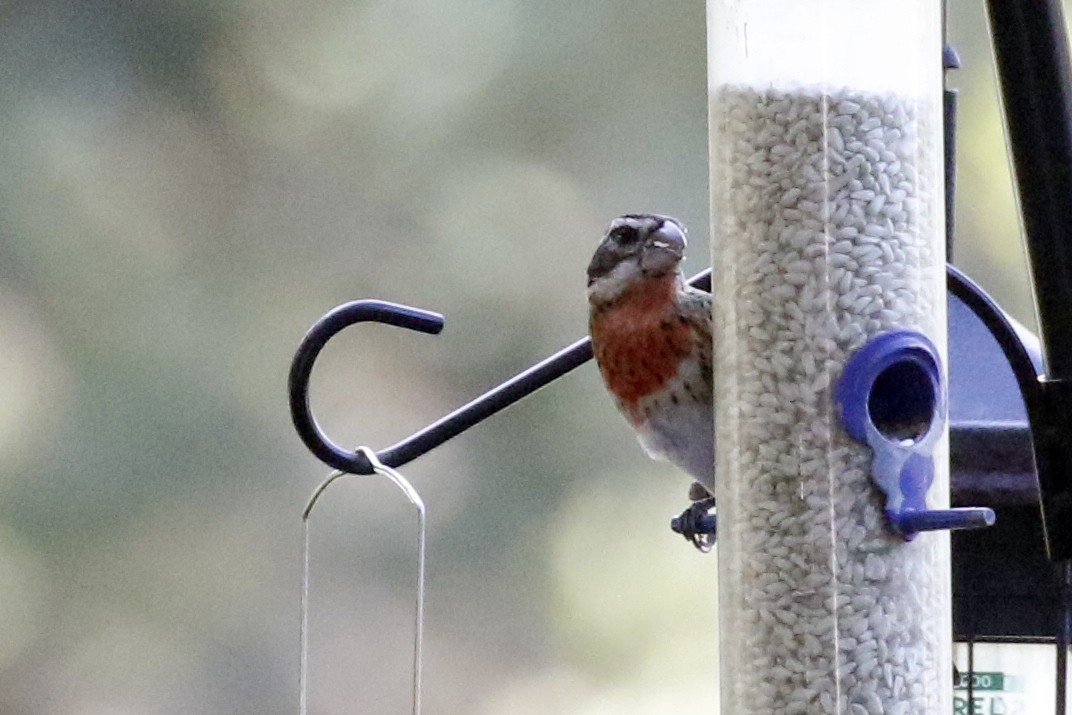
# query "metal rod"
(437, 433)
(950, 61)
(1031, 49)
(971, 671)
(1064, 634)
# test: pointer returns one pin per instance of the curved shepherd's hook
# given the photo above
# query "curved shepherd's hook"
(358, 311)
(435, 434)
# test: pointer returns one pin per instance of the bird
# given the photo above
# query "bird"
(651, 338)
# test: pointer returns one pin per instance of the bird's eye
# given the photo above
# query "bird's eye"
(626, 234)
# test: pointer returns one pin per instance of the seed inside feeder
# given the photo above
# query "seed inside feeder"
(827, 213)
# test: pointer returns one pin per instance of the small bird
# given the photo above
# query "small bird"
(651, 336)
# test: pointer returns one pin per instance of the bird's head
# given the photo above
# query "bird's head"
(636, 247)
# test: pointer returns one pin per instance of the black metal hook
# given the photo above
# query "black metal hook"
(358, 311)
(437, 433)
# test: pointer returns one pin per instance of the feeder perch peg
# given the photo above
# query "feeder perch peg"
(891, 398)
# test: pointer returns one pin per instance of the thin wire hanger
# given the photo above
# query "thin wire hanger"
(414, 498)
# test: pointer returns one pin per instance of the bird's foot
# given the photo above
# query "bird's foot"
(696, 524)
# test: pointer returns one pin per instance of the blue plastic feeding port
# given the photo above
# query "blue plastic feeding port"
(892, 399)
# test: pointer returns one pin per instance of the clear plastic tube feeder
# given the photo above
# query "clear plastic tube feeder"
(830, 352)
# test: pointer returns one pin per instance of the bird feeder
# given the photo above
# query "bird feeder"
(828, 236)
(832, 384)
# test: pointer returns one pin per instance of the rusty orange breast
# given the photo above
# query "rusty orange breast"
(639, 339)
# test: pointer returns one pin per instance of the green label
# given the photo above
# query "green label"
(981, 681)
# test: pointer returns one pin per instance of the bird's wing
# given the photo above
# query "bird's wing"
(696, 304)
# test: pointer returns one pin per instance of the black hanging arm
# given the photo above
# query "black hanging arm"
(438, 432)
(301, 369)
(1031, 49)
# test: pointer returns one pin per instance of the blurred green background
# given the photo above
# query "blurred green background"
(188, 184)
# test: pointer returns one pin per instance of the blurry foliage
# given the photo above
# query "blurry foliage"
(188, 184)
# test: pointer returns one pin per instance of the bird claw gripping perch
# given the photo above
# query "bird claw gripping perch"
(891, 398)
(697, 524)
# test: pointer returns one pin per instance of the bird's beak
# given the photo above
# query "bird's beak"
(666, 249)
(671, 237)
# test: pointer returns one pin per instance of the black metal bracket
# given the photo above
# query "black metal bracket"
(435, 434)
(1031, 48)
(301, 370)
